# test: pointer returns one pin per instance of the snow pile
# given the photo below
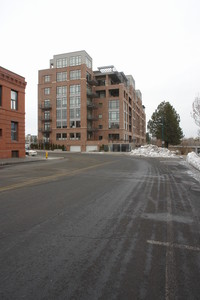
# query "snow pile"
(194, 160)
(153, 151)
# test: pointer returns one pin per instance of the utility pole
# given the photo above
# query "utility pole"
(163, 142)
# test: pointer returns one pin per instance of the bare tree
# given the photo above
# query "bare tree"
(196, 111)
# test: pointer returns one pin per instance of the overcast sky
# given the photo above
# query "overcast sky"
(157, 42)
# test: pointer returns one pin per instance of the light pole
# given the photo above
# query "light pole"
(163, 142)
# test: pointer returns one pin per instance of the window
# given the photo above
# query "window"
(75, 124)
(88, 62)
(100, 137)
(61, 62)
(75, 61)
(47, 91)
(61, 90)
(0, 133)
(75, 136)
(100, 104)
(75, 74)
(14, 96)
(75, 102)
(14, 131)
(61, 107)
(114, 104)
(0, 95)
(61, 76)
(64, 136)
(113, 136)
(113, 114)
(47, 78)
(15, 153)
(100, 116)
(58, 136)
(100, 126)
(61, 136)
(47, 103)
(47, 115)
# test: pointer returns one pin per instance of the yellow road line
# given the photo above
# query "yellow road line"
(49, 177)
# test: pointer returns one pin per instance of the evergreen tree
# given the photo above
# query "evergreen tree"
(164, 124)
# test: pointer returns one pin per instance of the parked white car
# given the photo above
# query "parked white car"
(31, 152)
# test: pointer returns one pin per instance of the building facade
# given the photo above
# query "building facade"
(12, 114)
(85, 110)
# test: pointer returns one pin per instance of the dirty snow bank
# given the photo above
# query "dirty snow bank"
(153, 151)
(194, 160)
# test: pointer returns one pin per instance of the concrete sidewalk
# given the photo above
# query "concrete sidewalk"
(27, 159)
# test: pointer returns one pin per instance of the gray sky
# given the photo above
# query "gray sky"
(157, 41)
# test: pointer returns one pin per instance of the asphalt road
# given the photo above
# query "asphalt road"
(99, 227)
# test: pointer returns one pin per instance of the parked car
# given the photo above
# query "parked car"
(31, 152)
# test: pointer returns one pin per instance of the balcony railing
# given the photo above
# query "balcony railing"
(92, 118)
(46, 119)
(45, 107)
(91, 94)
(45, 130)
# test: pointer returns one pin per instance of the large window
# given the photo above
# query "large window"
(61, 107)
(61, 62)
(61, 76)
(76, 74)
(75, 60)
(88, 62)
(75, 103)
(113, 114)
(14, 131)
(14, 100)
(47, 91)
(47, 78)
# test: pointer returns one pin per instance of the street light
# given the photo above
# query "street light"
(163, 142)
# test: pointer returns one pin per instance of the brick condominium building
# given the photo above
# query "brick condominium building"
(86, 110)
(12, 114)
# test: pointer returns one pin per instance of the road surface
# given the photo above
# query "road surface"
(91, 226)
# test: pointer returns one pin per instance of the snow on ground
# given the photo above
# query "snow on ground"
(155, 151)
(194, 160)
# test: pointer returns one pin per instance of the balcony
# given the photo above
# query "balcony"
(92, 118)
(91, 129)
(45, 107)
(45, 119)
(91, 94)
(92, 82)
(45, 130)
(91, 105)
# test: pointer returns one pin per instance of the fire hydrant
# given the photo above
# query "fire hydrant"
(46, 154)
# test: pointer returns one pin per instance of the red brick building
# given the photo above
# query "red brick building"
(12, 114)
(84, 109)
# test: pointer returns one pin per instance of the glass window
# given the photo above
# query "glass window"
(64, 136)
(58, 124)
(75, 60)
(100, 116)
(61, 76)
(14, 100)
(76, 74)
(61, 62)
(61, 90)
(47, 103)
(47, 91)
(113, 104)
(14, 131)
(58, 136)
(47, 78)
